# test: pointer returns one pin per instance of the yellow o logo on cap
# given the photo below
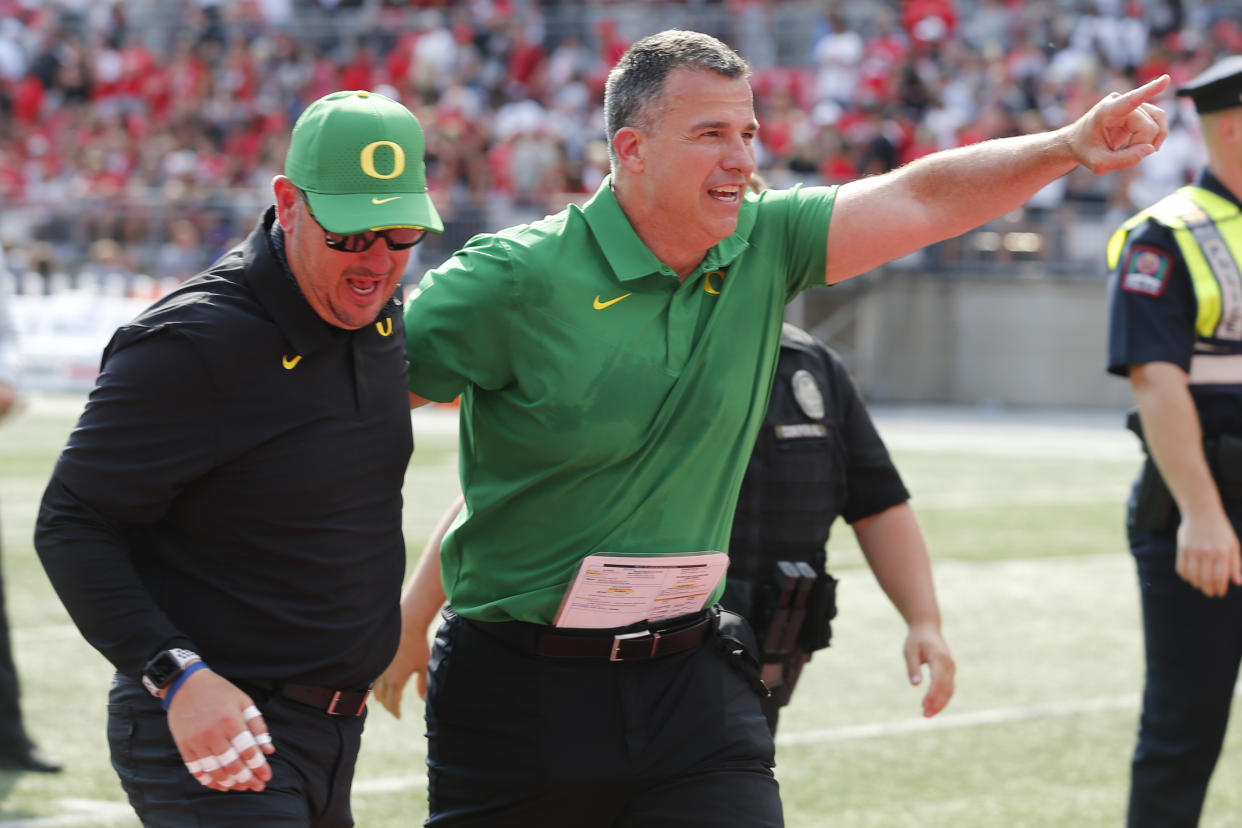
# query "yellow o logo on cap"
(367, 159)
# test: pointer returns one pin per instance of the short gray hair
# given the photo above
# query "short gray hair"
(635, 87)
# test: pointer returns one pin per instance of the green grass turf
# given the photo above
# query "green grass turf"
(1040, 609)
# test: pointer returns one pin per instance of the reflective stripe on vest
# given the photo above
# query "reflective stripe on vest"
(1208, 230)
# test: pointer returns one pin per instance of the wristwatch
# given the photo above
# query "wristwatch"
(163, 669)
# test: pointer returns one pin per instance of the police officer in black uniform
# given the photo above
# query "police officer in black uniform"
(1175, 329)
(818, 457)
(225, 522)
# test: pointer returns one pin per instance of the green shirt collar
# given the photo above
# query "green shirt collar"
(630, 259)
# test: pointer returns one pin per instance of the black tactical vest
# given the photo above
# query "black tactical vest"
(794, 486)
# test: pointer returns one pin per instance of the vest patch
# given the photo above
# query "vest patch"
(1146, 272)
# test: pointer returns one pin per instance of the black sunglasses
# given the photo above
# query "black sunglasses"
(397, 238)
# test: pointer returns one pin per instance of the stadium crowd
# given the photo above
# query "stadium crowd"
(135, 137)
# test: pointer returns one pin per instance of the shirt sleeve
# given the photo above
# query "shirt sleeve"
(146, 434)
(872, 483)
(803, 213)
(457, 322)
(809, 238)
(1152, 304)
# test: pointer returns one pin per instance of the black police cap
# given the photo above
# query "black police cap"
(1219, 87)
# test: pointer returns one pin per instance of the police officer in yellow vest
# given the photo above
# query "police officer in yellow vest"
(1175, 329)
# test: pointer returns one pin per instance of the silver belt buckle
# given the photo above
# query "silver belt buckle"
(617, 639)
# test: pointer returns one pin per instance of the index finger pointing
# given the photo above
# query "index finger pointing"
(1145, 92)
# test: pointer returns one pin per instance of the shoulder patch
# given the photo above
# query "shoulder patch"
(1146, 271)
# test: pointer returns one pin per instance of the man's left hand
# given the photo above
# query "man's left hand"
(220, 734)
(925, 645)
(411, 659)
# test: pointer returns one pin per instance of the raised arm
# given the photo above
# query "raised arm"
(884, 217)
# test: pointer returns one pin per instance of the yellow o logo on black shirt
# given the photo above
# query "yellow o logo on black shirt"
(367, 159)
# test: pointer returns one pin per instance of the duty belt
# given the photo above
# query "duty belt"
(640, 642)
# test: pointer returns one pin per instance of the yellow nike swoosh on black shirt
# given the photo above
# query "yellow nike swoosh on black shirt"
(290, 362)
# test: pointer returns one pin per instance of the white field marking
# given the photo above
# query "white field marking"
(947, 721)
(1018, 431)
(874, 730)
(388, 784)
(1006, 433)
(89, 812)
(66, 405)
(976, 499)
(1082, 434)
(434, 419)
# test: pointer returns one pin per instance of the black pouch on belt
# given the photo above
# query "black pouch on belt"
(821, 609)
(737, 640)
(1226, 460)
(1153, 507)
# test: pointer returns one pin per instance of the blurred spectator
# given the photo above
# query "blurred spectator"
(182, 255)
(108, 268)
(836, 58)
(929, 21)
(106, 124)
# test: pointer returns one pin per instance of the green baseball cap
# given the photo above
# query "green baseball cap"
(359, 158)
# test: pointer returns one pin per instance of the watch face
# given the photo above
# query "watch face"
(162, 669)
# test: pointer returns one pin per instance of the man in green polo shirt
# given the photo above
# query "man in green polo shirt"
(614, 364)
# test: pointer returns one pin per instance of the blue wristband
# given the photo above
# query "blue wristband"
(176, 685)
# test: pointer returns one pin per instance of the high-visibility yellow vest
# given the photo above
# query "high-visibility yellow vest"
(1208, 231)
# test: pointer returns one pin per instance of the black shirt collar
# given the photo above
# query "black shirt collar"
(267, 271)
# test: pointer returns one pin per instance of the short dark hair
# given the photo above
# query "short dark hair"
(635, 86)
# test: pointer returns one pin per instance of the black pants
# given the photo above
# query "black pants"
(312, 768)
(517, 740)
(1193, 647)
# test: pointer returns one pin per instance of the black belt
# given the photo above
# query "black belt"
(330, 701)
(639, 642)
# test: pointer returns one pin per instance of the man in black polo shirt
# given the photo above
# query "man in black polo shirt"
(224, 524)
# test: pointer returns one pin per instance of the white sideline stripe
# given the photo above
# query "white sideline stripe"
(946, 721)
(389, 784)
(89, 812)
(101, 812)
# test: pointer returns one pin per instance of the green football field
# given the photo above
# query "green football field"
(1023, 513)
